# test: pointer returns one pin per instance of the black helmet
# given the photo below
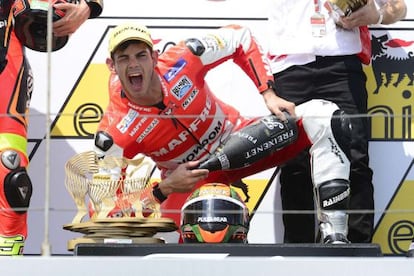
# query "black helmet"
(31, 24)
(214, 213)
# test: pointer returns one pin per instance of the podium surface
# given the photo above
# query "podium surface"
(237, 250)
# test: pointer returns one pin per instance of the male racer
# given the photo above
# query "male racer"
(162, 107)
(16, 86)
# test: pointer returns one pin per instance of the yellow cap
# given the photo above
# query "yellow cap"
(129, 31)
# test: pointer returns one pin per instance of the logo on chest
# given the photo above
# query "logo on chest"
(127, 120)
(181, 88)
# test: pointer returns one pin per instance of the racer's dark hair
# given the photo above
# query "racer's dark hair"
(125, 45)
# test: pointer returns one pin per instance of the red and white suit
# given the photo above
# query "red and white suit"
(193, 122)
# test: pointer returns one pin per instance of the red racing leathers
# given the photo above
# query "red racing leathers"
(192, 122)
(16, 86)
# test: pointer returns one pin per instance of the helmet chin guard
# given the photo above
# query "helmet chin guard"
(214, 213)
(31, 24)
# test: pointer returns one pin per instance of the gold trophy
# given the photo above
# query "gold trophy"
(119, 190)
(79, 170)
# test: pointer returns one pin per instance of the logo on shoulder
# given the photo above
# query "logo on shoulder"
(173, 72)
(214, 42)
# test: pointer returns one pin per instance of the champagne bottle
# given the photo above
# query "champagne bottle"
(252, 143)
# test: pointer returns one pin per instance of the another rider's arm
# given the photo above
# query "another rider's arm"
(238, 43)
(233, 42)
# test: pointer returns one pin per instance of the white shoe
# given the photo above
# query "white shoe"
(336, 238)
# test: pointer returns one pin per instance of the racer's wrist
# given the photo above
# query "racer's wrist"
(269, 95)
(158, 194)
(267, 92)
(163, 189)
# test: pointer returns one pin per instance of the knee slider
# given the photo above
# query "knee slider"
(334, 195)
(341, 129)
(17, 184)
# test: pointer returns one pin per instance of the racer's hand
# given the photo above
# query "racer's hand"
(366, 15)
(183, 178)
(277, 105)
(75, 16)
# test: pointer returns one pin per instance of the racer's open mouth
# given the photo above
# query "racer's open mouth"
(136, 80)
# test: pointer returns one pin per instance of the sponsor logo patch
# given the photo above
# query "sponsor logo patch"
(173, 72)
(181, 88)
(127, 121)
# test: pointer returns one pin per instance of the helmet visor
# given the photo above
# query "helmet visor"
(214, 213)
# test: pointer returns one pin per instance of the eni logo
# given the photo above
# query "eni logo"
(400, 234)
(390, 88)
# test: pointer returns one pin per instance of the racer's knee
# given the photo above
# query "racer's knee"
(17, 187)
(341, 128)
(328, 129)
(322, 118)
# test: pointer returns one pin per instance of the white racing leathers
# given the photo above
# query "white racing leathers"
(330, 165)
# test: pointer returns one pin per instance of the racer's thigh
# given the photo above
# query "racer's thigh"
(171, 207)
